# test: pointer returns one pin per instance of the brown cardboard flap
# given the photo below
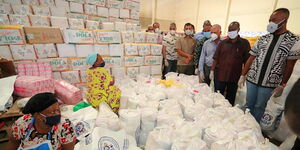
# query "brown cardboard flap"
(43, 35)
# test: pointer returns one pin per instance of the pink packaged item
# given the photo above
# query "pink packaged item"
(26, 86)
(67, 92)
(35, 69)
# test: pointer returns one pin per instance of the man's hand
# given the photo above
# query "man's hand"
(166, 62)
(188, 59)
(201, 77)
(211, 75)
(278, 91)
(241, 82)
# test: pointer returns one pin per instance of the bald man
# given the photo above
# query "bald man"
(208, 50)
(271, 63)
(229, 58)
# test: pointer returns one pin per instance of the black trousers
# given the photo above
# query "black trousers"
(296, 145)
(228, 88)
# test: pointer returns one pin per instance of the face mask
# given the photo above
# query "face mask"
(214, 36)
(52, 120)
(157, 30)
(233, 34)
(272, 27)
(188, 32)
(102, 64)
(172, 32)
(207, 34)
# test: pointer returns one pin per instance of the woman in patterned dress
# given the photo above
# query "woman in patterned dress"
(100, 84)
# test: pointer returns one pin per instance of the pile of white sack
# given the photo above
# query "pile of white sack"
(155, 117)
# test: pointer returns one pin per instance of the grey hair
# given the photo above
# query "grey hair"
(173, 24)
(217, 26)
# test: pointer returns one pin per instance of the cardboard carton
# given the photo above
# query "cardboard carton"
(102, 11)
(133, 61)
(43, 35)
(13, 2)
(76, 23)
(5, 53)
(79, 64)
(132, 72)
(139, 37)
(21, 9)
(39, 20)
(22, 52)
(113, 12)
(45, 50)
(113, 61)
(76, 7)
(57, 64)
(84, 50)
(127, 37)
(156, 70)
(144, 49)
(70, 76)
(41, 10)
(97, 2)
(30, 2)
(11, 36)
(145, 70)
(115, 4)
(151, 37)
(134, 14)
(78, 36)
(108, 26)
(124, 13)
(120, 26)
(156, 49)
(58, 11)
(153, 60)
(131, 49)
(103, 50)
(90, 9)
(63, 4)
(92, 24)
(47, 3)
(4, 19)
(116, 50)
(108, 37)
(19, 20)
(59, 22)
(118, 72)
(66, 50)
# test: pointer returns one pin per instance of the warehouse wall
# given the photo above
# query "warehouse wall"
(253, 15)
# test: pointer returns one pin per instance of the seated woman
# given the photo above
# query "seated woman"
(100, 84)
(42, 126)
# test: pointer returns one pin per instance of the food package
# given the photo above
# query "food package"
(115, 4)
(5, 53)
(83, 75)
(124, 13)
(103, 50)
(84, 50)
(45, 50)
(66, 50)
(144, 49)
(41, 10)
(58, 11)
(78, 36)
(131, 49)
(59, 22)
(67, 93)
(103, 12)
(30, 2)
(92, 24)
(131, 120)
(160, 138)
(76, 7)
(133, 61)
(35, 69)
(145, 70)
(127, 37)
(97, 2)
(4, 19)
(63, 4)
(90, 9)
(19, 20)
(70, 76)
(5, 8)
(113, 12)
(116, 50)
(139, 37)
(120, 26)
(79, 64)
(11, 36)
(76, 23)
(113, 61)
(151, 37)
(134, 14)
(21, 52)
(39, 20)
(132, 72)
(118, 72)
(47, 2)
(156, 49)
(56, 75)
(108, 26)
(21, 9)
(108, 37)
(13, 2)
(129, 27)
(43, 35)
(26, 86)
(156, 70)
(57, 64)
(95, 18)
(77, 16)
(148, 119)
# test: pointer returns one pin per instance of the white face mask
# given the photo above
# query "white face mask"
(233, 34)
(272, 27)
(172, 32)
(157, 30)
(188, 32)
(213, 36)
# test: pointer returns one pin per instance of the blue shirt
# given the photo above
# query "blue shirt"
(208, 50)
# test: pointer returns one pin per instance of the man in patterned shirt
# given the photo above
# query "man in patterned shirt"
(271, 63)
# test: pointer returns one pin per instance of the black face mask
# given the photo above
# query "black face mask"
(52, 120)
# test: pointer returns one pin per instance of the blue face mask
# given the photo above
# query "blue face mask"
(206, 34)
(102, 64)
